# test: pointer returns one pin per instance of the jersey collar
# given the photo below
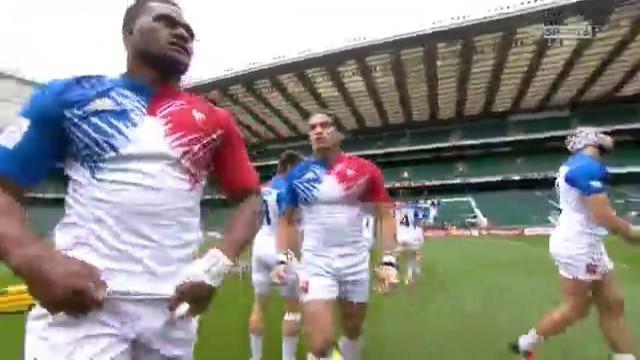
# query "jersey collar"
(141, 88)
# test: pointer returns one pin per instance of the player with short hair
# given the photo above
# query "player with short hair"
(264, 260)
(137, 151)
(332, 191)
(577, 246)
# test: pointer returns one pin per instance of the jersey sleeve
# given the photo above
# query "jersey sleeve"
(231, 164)
(31, 147)
(588, 178)
(376, 192)
(289, 195)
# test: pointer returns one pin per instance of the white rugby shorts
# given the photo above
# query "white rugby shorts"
(408, 241)
(121, 330)
(327, 277)
(586, 265)
(262, 264)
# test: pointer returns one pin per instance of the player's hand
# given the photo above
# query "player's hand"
(387, 274)
(279, 274)
(198, 294)
(634, 239)
(199, 281)
(60, 283)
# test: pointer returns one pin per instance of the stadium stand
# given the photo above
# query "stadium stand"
(451, 114)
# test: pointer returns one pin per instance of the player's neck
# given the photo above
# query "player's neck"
(329, 156)
(148, 76)
(593, 152)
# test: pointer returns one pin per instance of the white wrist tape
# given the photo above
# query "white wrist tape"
(292, 317)
(389, 260)
(211, 268)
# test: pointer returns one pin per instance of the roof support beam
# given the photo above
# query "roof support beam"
(542, 45)
(576, 54)
(400, 79)
(430, 63)
(611, 57)
(493, 86)
(464, 70)
(216, 97)
(251, 130)
(288, 97)
(259, 119)
(624, 81)
(346, 97)
(307, 84)
(251, 89)
(365, 71)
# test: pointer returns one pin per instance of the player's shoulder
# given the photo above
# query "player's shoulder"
(277, 183)
(216, 116)
(302, 168)
(50, 100)
(73, 89)
(584, 166)
(360, 164)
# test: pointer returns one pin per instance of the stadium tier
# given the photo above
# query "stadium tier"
(442, 136)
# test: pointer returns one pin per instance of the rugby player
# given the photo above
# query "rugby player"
(137, 151)
(407, 216)
(369, 229)
(332, 191)
(263, 261)
(577, 246)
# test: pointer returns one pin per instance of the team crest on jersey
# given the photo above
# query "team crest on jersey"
(352, 175)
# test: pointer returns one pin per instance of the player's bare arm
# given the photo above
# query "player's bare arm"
(243, 225)
(286, 240)
(60, 283)
(602, 212)
(388, 227)
(240, 184)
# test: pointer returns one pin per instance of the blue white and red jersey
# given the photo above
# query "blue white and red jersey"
(137, 159)
(333, 199)
(578, 178)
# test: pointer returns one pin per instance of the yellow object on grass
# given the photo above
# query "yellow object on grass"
(15, 298)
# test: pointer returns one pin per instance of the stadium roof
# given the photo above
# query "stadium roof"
(465, 68)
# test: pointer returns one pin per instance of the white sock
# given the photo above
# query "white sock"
(624, 357)
(529, 341)
(289, 347)
(256, 346)
(411, 267)
(349, 348)
(329, 356)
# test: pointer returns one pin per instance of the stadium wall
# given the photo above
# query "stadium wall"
(14, 91)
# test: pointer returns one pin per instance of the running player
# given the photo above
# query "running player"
(577, 246)
(369, 229)
(423, 216)
(434, 205)
(407, 217)
(332, 191)
(137, 151)
(263, 261)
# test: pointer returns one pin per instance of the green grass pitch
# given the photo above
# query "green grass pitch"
(473, 297)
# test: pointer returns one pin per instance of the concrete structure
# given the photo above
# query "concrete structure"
(14, 91)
